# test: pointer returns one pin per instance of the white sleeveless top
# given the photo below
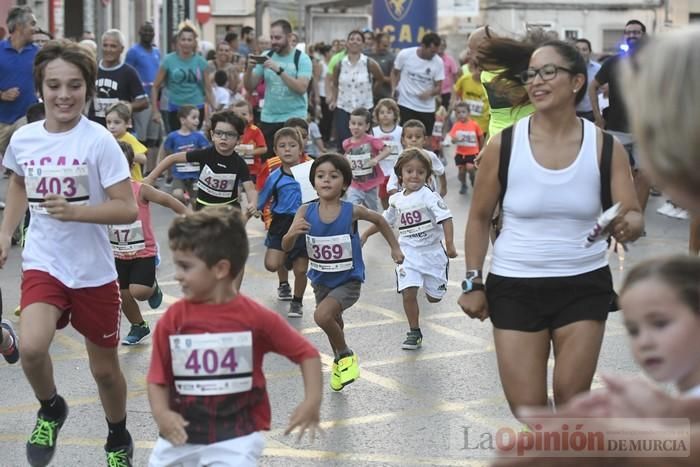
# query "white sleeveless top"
(548, 213)
(354, 85)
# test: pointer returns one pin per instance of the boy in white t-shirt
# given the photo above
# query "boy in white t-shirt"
(222, 94)
(75, 179)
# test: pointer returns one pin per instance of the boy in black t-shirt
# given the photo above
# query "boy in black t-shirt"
(221, 168)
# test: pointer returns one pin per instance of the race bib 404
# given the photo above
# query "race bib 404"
(329, 254)
(212, 364)
(72, 182)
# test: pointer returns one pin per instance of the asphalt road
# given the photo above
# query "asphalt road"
(423, 407)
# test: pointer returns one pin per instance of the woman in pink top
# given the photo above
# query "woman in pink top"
(451, 70)
(135, 250)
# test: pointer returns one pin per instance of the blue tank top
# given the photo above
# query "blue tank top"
(335, 251)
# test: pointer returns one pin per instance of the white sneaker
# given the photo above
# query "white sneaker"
(679, 213)
(2, 205)
(667, 208)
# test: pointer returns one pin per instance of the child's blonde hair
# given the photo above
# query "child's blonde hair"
(664, 106)
(122, 109)
(390, 104)
(289, 132)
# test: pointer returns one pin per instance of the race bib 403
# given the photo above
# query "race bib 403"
(72, 182)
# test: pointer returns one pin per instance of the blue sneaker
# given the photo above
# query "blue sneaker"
(137, 334)
(11, 354)
(157, 297)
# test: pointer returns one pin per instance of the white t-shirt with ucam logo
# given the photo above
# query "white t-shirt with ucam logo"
(417, 76)
(78, 164)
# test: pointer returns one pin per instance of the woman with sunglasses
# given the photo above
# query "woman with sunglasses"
(546, 287)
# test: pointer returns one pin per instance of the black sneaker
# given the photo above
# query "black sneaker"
(284, 292)
(414, 340)
(42, 442)
(120, 456)
(156, 298)
(295, 310)
(11, 354)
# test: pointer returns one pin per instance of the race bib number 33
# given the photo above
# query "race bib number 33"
(212, 364)
(358, 163)
(71, 182)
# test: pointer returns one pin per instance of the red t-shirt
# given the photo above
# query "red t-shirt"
(253, 135)
(466, 135)
(214, 418)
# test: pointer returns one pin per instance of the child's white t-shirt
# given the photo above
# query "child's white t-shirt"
(438, 170)
(222, 97)
(78, 164)
(393, 140)
(417, 216)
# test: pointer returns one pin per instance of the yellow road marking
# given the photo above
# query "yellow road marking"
(31, 407)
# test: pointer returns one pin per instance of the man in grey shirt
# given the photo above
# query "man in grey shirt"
(385, 57)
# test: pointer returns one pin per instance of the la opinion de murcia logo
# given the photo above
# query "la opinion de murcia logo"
(398, 8)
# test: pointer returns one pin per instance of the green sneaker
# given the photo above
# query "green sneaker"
(120, 456)
(137, 334)
(349, 369)
(414, 340)
(42, 442)
(157, 297)
(336, 385)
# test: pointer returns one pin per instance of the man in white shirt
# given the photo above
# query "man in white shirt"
(417, 77)
(584, 108)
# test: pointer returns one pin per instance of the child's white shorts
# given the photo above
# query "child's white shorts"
(423, 267)
(239, 452)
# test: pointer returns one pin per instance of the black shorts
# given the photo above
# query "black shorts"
(428, 118)
(464, 160)
(535, 304)
(141, 271)
(279, 226)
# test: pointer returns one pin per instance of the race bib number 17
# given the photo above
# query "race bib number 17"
(72, 182)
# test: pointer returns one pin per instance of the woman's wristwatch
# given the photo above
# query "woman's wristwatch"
(468, 284)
